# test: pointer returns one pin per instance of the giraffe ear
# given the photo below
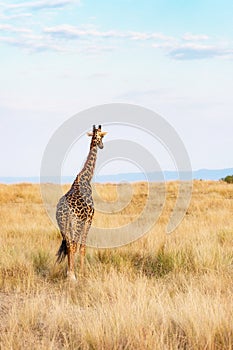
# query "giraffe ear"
(89, 133)
(103, 133)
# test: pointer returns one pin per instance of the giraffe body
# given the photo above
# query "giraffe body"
(75, 209)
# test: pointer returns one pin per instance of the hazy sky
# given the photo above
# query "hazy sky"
(59, 57)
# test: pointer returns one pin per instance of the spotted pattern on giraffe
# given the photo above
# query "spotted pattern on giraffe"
(75, 210)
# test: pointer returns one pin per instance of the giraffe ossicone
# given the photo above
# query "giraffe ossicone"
(75, 209)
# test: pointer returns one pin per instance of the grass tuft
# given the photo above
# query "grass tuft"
(157, 265)
(41, 262)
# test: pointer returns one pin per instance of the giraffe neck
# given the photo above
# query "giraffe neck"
(87, 171)
(89, 166)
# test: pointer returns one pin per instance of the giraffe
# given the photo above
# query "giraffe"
(75, 209)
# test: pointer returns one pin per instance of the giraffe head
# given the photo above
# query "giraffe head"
(97, 136)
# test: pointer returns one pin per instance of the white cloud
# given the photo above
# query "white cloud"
(72, 32)
(15, 16)
(96, 49)
(12, 29)
(148, 36)
(194, 50)
(30, 44)
(94, 41)
(37, 43)
(41, 4)
(195, 37)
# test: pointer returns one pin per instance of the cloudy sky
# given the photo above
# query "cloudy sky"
(59, 57)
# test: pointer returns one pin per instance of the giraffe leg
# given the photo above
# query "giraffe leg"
(82, 257)
(83, 242)
(71, 253)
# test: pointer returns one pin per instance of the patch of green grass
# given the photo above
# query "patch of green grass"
(113, 259)
(41, 263)
(151, 265)
(157, 265)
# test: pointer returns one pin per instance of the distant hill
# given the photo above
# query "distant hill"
(202, 174)
(206, 174)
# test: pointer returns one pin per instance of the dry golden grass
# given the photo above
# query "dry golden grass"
(161, 292)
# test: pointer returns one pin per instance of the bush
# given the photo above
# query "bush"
(228, 179)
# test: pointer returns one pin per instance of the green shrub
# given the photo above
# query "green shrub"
(228, 179)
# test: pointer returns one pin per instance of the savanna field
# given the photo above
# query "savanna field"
(160, 292)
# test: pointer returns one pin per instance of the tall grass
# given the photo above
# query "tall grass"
(161, 292)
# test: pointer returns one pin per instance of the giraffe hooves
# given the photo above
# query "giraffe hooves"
(71, 276)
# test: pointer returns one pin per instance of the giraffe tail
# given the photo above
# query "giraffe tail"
(62, 252)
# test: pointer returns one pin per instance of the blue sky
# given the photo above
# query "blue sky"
(59, 57)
